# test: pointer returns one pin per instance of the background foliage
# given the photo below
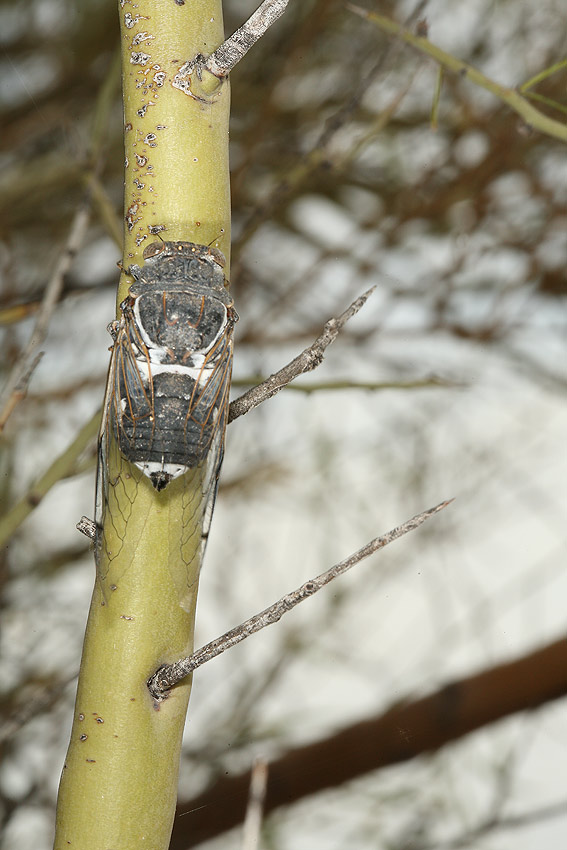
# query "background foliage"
(339, 183)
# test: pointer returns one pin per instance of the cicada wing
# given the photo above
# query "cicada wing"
(131, 400)
(209, 402)
(210, 487)
(103, 454)
(128, 401)
(210, 410)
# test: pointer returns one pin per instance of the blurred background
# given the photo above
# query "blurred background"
(449, 383)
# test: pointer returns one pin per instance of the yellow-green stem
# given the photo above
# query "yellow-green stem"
(176, 171)
(118, 788)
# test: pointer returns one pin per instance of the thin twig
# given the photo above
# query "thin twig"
(16, 385)
(169, 675)
(16, 391)
(308, 360)
(255, 807)
(221, 62)
(332, 386)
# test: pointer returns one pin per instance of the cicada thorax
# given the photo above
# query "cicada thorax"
(173, 359)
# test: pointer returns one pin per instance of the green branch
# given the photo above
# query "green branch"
(532, 116)
(119, 784)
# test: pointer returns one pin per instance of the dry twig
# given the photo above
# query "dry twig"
(16, 385)
(169, 675)
(222, 61)
(308, 360)
(255, 807)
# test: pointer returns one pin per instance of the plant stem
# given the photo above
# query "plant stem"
(176, 174)
(119, 783)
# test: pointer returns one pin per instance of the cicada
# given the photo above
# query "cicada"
(167, 395)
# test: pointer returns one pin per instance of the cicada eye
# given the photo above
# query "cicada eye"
(218, 256)
(152, 249)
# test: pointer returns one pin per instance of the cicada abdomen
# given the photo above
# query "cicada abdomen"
(169, 379)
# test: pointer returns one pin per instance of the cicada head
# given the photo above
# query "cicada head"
(181, 264)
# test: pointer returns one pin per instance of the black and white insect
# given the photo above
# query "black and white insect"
(168, 387)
